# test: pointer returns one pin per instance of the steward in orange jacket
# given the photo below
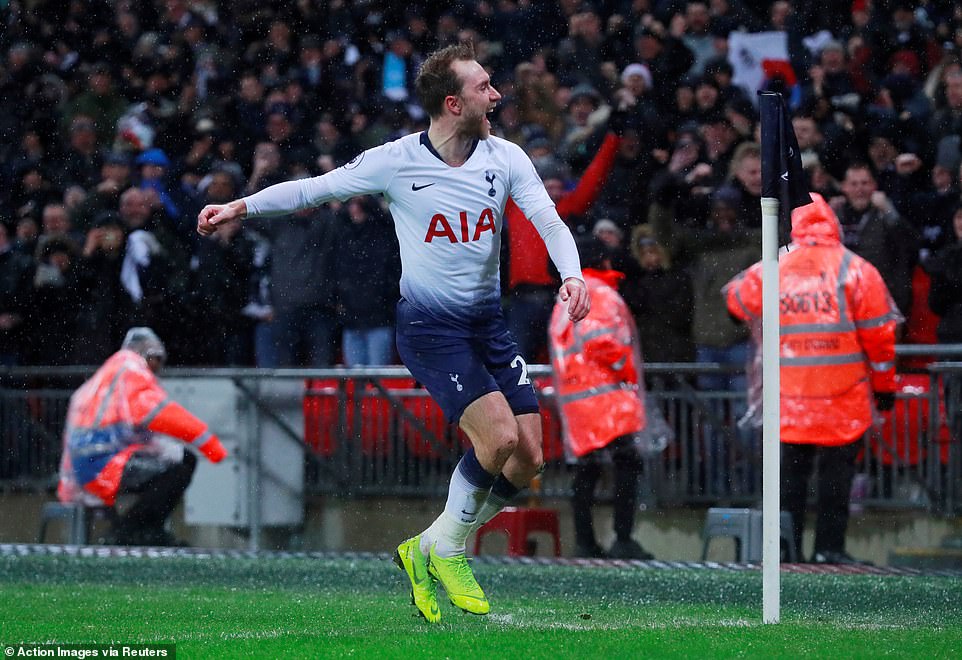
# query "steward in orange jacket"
(109, 448)
(837, 349)
(600, 392)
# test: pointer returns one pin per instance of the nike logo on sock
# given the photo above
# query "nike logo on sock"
(415, 187)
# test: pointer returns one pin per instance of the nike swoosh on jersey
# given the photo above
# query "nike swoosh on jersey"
(415, 187)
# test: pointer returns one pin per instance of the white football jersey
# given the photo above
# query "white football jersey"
(448, 219)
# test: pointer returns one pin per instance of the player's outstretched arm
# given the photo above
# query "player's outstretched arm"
(574, 292)
(214, 215)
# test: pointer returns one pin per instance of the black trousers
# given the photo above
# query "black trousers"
(627, 468)
(159, 485)
(836, 469)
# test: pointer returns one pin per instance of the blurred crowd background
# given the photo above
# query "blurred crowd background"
(120, 119)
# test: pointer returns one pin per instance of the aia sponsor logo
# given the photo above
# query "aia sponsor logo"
(463, 231)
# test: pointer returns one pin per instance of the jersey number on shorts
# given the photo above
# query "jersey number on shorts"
(518, 361)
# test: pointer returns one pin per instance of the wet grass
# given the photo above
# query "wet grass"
(310, 608)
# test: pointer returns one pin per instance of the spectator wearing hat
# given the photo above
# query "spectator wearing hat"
(873, 229)
(831, 88)
(154, 169)
(586, 114)
(612, 236)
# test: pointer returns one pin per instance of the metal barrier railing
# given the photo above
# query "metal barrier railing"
(373, 432)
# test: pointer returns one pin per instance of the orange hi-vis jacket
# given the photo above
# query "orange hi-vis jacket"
(597, 368)
(111, 416)
(837, 330)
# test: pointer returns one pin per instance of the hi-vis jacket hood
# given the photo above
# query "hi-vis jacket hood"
(816, 224)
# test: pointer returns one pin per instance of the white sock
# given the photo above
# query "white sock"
(467, 492)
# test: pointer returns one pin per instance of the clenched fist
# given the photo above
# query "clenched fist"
(214, 215)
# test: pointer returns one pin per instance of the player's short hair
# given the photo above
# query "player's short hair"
(437, 80)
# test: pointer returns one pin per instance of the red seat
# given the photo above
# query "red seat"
(904, 427)
(321, 415)
(518, 523)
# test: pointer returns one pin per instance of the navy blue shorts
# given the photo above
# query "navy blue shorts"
(458, 365)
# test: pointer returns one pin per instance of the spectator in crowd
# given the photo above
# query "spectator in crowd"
(586, 115)
(947, 119)
(154, 166)
(99, 102)
(743, 186)
(81, 163)
(873, 229)
(16, 285)
(302, 292)
(221, 271)
(929, 209)
(694, 29)
(597, 366)
(366, 268)
(660, 298)
(104, 194)
(837, 350)
(55, 303)
(110, 449)
(107, 306)
(55, 222)
(945, 295)
(713, 254)
(613, 238)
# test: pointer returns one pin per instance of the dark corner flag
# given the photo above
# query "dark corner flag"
(782, 175)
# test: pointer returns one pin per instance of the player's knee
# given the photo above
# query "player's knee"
(505, 446)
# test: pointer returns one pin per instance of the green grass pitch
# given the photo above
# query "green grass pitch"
(302, 607)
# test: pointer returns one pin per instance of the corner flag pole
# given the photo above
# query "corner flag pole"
(783, 189)
(771, 423)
